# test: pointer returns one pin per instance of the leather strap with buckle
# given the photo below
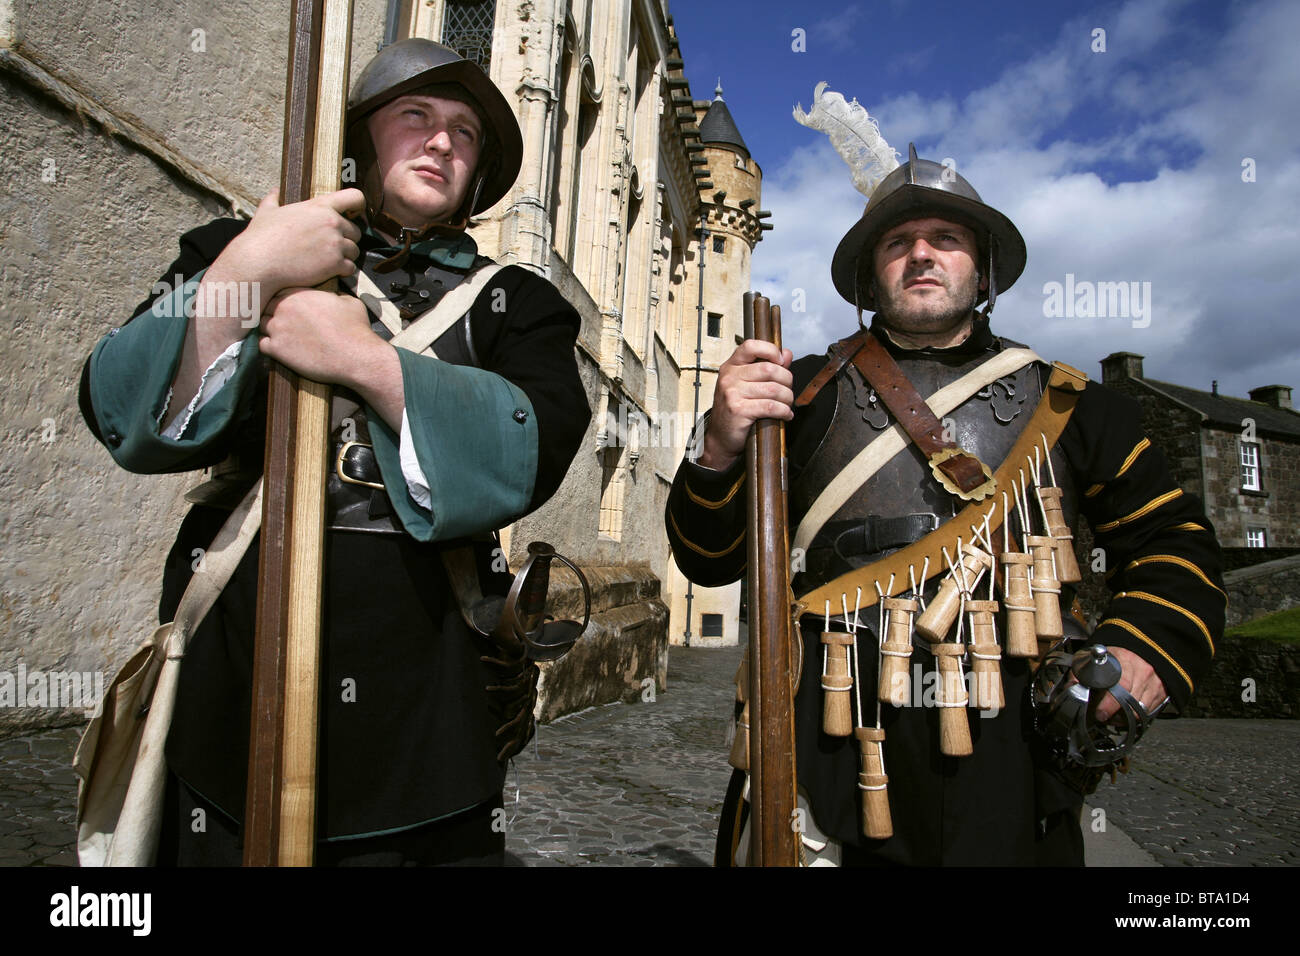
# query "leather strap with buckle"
(356, 465)
(960, 472)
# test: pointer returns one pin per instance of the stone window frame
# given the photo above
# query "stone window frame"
(1251, 467)
(714, 322)
(1262, 539)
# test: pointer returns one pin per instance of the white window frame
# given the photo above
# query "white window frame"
(1256, 538)
(1250, 469)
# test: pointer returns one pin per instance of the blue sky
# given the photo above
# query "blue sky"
(1117, 166)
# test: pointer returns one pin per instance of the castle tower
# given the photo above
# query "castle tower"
(730, 184)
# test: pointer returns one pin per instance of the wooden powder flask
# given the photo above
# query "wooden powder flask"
(837, 684)
(1066, 563)
(872, 781)
(939, 616)
(1046, 588)
(896, 651)
(986, 656)
(1018, 601)
(951, 699)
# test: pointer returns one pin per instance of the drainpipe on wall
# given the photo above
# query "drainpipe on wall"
(390, 22)
(695, 415)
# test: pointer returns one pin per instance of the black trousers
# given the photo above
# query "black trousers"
(1058, 838)
(196, 833)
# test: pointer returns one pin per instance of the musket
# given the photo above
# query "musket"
(280, 812)
(774, 826)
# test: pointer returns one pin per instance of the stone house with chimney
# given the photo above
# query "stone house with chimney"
(1240, 456)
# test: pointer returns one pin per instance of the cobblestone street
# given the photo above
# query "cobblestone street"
(631, 784)
(641, 785)
(1212, 792)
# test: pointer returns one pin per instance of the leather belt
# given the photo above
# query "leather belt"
(842, 546)
(355, 495)
(856, 539)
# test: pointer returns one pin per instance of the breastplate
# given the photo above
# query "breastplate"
(359, 507)
(987, 425)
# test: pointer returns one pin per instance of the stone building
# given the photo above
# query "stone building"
(1241, 456)
(126, 124)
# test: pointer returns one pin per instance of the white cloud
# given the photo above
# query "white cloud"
(837, 31)
(1219, 252)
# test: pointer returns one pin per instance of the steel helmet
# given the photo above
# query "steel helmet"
(918, 188)
(411, 64)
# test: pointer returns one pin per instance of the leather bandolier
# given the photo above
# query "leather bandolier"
(902, 502)
(898, 505)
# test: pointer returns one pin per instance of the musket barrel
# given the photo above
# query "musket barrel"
(775, 841)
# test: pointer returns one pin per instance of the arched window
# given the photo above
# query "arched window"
(467, 28)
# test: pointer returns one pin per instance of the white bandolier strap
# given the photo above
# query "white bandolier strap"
(872, 458)
(423, 331)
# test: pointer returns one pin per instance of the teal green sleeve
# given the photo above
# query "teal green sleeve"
(131, 371)
(475, 436)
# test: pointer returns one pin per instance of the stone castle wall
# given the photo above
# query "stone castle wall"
(1262, 589)
(124, 125)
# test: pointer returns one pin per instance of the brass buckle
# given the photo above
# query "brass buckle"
(338, 467)
(979, 492)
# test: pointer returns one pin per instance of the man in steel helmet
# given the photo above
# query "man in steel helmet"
(419, 714)
(925, 254)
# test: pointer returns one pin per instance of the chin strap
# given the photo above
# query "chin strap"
(409, 236)
(857, 303)
(993, 283)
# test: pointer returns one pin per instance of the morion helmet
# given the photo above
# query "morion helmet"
(409, 65)
(918, 188)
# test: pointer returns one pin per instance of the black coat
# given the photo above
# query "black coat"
(406, 726)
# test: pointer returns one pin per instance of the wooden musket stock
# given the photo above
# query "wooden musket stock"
(774, 827)
(280, 818)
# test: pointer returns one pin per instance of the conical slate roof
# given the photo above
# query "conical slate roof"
(718, 126)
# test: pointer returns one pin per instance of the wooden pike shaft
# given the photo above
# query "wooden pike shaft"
(775, 841)
(280, 819)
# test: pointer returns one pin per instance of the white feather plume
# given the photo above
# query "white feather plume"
(854, 133)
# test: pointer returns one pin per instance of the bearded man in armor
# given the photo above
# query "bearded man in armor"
(419, 713)
(925, 255)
